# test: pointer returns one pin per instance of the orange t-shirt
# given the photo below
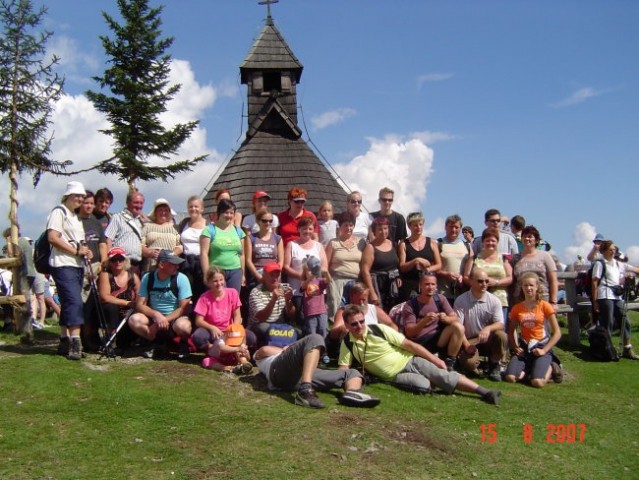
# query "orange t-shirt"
(532, 322)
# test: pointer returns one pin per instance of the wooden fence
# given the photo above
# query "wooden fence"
(577, 306)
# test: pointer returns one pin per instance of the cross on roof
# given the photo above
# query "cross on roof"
(268, 6)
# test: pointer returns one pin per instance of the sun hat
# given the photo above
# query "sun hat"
(234, 335)
(116, 251)
(75, 188)
(167, 256)
(261, 194)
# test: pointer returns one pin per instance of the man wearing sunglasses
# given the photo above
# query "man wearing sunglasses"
(507, 244)
(481, 314)
(393, 358)
(396, 221)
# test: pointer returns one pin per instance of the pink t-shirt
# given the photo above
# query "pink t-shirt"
(218, 311)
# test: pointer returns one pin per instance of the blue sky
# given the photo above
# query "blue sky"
(529, 107)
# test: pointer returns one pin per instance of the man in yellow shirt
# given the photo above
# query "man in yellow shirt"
(393, 358)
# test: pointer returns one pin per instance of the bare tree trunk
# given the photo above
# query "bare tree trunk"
(21, 314)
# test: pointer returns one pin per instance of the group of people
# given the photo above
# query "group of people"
(289, 289)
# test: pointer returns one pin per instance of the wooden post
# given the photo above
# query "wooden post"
(571, 299)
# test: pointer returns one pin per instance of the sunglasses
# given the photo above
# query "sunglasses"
(299, 202)
(266, 221)
(355, 202)
(494, 220)
(386, 200)
(116, 259)
(357, 323)
(481, 282)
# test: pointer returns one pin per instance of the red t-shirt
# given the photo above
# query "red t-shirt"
(288, 225)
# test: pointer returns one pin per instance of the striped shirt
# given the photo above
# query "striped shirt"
(126, 231)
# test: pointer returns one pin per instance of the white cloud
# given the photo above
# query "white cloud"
(76, 138)
(333, 117)
(578, 96)
(430, 138)
(435, 229)
(432, 77)
(633, 254)
(404, 165)
(73, 60)
(581, 242)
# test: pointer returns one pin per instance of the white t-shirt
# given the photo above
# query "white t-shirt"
(264, 366)
(70, 226)
(610, 278)
(190, 238)
(362, 225)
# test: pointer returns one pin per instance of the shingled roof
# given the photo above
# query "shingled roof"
(270, 52)
(273, 156)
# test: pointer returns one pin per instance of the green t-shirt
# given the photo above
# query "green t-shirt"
(381, 357)
(226, 248)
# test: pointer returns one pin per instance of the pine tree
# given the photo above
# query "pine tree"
(28, 90)
(138, 81)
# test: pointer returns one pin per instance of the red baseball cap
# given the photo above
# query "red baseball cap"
(272, 267)
(116, 251)
(261, 194)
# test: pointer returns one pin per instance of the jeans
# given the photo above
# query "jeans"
(611, 313)
(68, 282)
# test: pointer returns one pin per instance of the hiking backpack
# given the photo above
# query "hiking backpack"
(601, 347)
(42, 250)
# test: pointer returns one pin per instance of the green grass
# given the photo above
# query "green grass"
(143, 419)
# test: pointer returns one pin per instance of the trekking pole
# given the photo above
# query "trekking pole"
(624, 312)
(98, 306)
(117, 330)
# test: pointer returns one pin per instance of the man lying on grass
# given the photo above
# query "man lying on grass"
(295, 366)
(391, 357)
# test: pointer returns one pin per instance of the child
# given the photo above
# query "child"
(327, 226)
(533, 355)
(314, 284)
(229, 354)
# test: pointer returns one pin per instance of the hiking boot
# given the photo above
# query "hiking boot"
(63, 346)
(308, 398)
(352, 398)
(494, 373)
(75, 349)
(242, 368)
(557, 372)
(629, 353)
(492, 397)
(450, 363)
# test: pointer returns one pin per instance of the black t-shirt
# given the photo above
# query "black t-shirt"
(396, 225)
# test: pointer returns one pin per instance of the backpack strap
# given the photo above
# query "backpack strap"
(213, 231)
(173, 285)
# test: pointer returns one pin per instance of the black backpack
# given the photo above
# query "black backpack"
(42, 250)
(601, 347)
(173, 286)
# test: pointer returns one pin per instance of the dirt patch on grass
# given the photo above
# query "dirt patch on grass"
(418, 434)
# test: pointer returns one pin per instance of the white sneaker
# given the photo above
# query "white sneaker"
(352, 398)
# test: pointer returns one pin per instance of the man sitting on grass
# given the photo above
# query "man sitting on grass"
(482, 315)
(391, 357)
(295, 366)
(162, 305)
